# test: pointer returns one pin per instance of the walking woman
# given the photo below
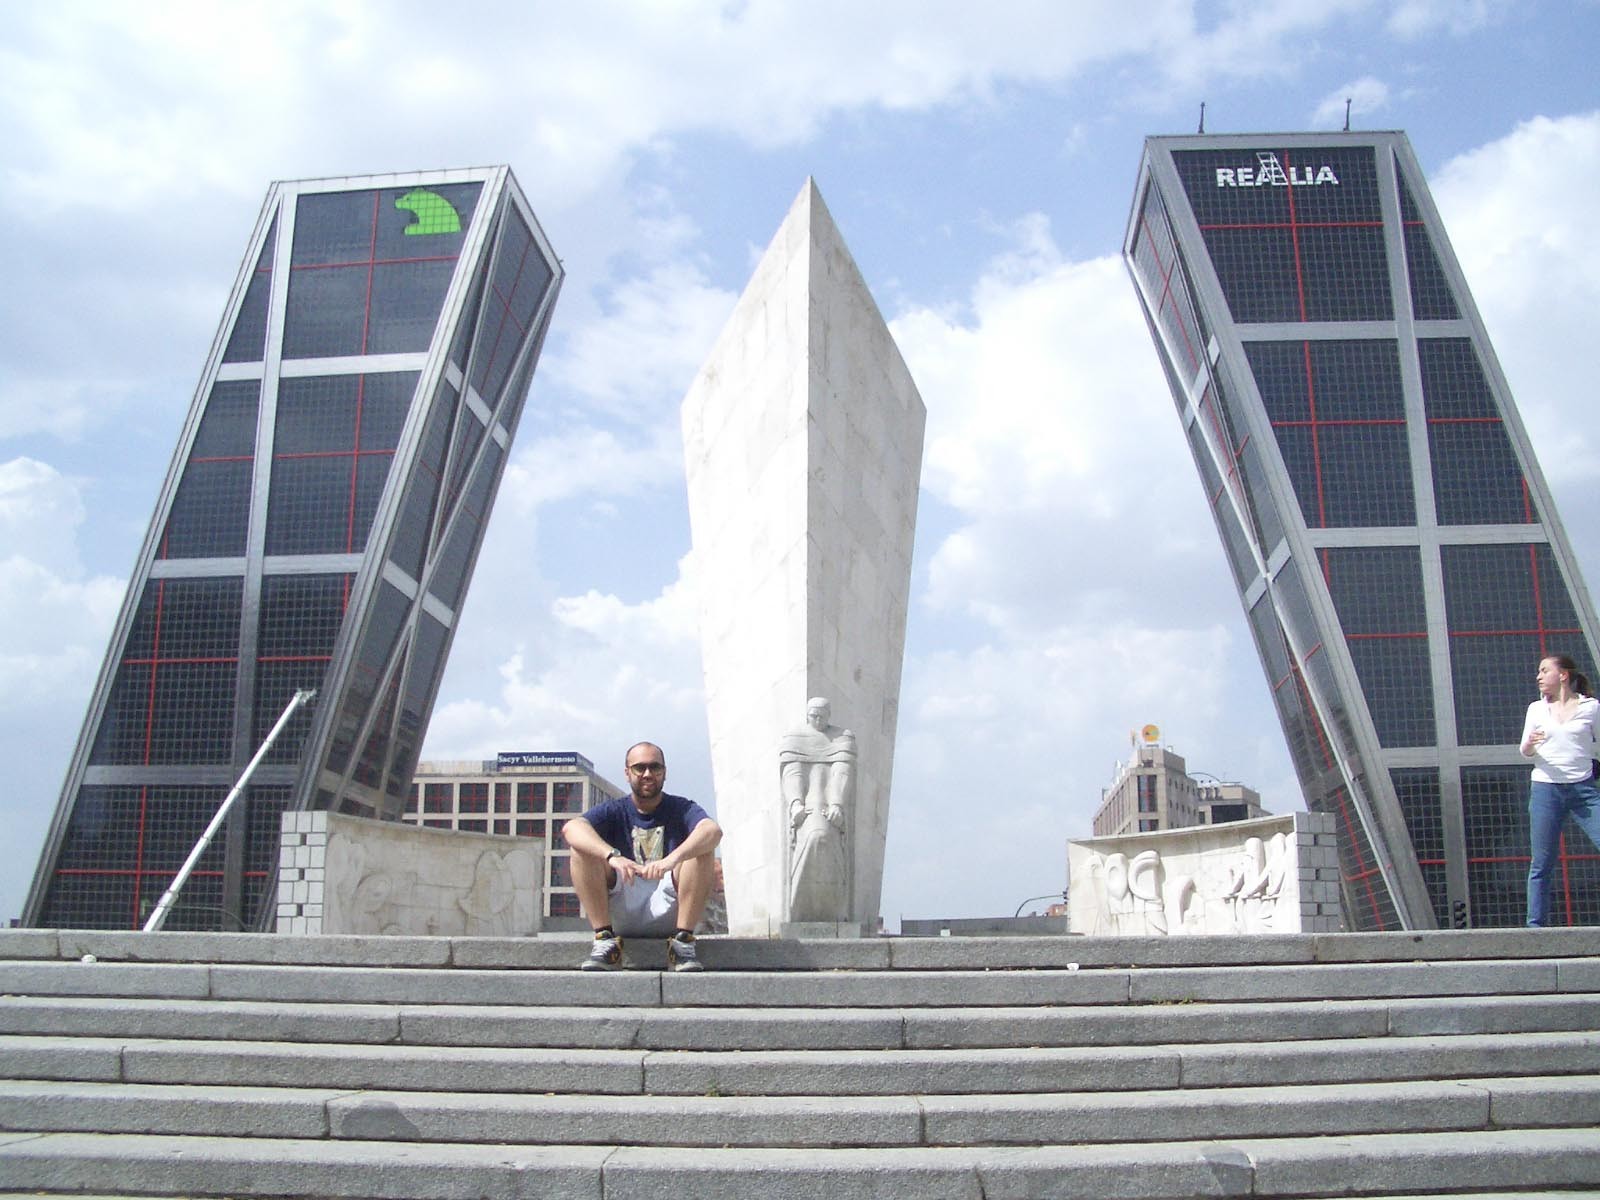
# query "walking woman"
(1559, 735)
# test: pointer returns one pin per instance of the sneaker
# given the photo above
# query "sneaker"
(681, 954)
(604, 955)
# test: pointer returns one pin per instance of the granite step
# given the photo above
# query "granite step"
(1514, 1161)
(707, 1028)
(1294, 1065)
(785, 989)
(1019, 1069)
(1076, 1118)
(562, 952)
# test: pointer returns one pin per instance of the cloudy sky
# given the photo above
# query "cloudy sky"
(979, 160)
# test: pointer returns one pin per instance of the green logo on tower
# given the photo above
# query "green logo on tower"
(434, 214)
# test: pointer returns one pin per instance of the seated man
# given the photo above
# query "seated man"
(642, 864)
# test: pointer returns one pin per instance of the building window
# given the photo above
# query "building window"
(436, 798)
(530, 829)
(564, 904)
(1149, 825)
(472, 826)
(502, 797)
(560, 871)
(530, 797)
(1147, 793)
(566, 797)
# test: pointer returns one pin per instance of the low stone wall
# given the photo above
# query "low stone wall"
(1270, 875)
(340, 874)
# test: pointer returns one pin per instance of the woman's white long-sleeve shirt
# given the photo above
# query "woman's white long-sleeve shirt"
(1568, 747)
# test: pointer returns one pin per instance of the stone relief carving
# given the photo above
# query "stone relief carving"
(376, 896)
(1232, 891)
(816, 767)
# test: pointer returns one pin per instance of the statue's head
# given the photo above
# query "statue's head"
(817, 712)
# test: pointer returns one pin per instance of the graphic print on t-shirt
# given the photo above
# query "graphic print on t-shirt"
(648, 844)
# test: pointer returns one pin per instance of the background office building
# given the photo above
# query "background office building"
(1153, 791)
(316, 529)
(529, 795)
(1393, 541)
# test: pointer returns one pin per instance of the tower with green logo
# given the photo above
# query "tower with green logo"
(317, 529)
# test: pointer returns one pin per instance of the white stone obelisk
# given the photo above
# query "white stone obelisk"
(803, 450)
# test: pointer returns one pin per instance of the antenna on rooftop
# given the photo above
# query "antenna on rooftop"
(1347, 114)
(1202, 128)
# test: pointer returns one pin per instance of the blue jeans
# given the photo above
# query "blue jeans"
(1549, 805)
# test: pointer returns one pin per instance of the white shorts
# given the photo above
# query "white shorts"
(644, 907)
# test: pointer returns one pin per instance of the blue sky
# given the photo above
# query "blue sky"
(979, 161)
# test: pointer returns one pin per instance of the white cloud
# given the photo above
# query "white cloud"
(1080, 582)
(1520, 215)
(654, 331)
(1365, 97)
(601, 675)
(1413, 19)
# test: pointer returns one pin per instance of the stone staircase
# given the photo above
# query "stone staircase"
(1297, 1065)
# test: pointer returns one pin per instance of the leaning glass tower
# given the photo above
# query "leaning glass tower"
(1393, 541)
(316, 529)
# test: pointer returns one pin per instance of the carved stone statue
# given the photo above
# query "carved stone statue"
(816, 765)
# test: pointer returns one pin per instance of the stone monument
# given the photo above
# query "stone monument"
(803, 449)
(816, 768)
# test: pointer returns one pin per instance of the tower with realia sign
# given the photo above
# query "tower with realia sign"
(317, 529)
(1393, 541)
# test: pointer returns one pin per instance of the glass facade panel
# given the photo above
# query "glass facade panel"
(1507, 607)
(210, 515)
(1431, 297)
(1378, 594)
(1293, 234)
(1417, 789)
(1476, 477)
(1337, 409)
(519, 279)
(248, 341)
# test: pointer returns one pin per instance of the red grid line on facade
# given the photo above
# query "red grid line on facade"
(1510, 632)
(1167, 294)
(138, 848)
(1538, 598)
(1327, 423)
(1299, 272)
(123, 872)
(198, 660)
(288, 454)
(155, 657)
(375, 261)
(1311, 404)
(505, 312)
(1293, 224)
(355, 467)
(372, 255)
(1363, 873)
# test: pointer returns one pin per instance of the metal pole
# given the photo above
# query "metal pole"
(158, 916)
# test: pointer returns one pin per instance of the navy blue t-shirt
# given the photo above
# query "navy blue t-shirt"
(645, 838)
